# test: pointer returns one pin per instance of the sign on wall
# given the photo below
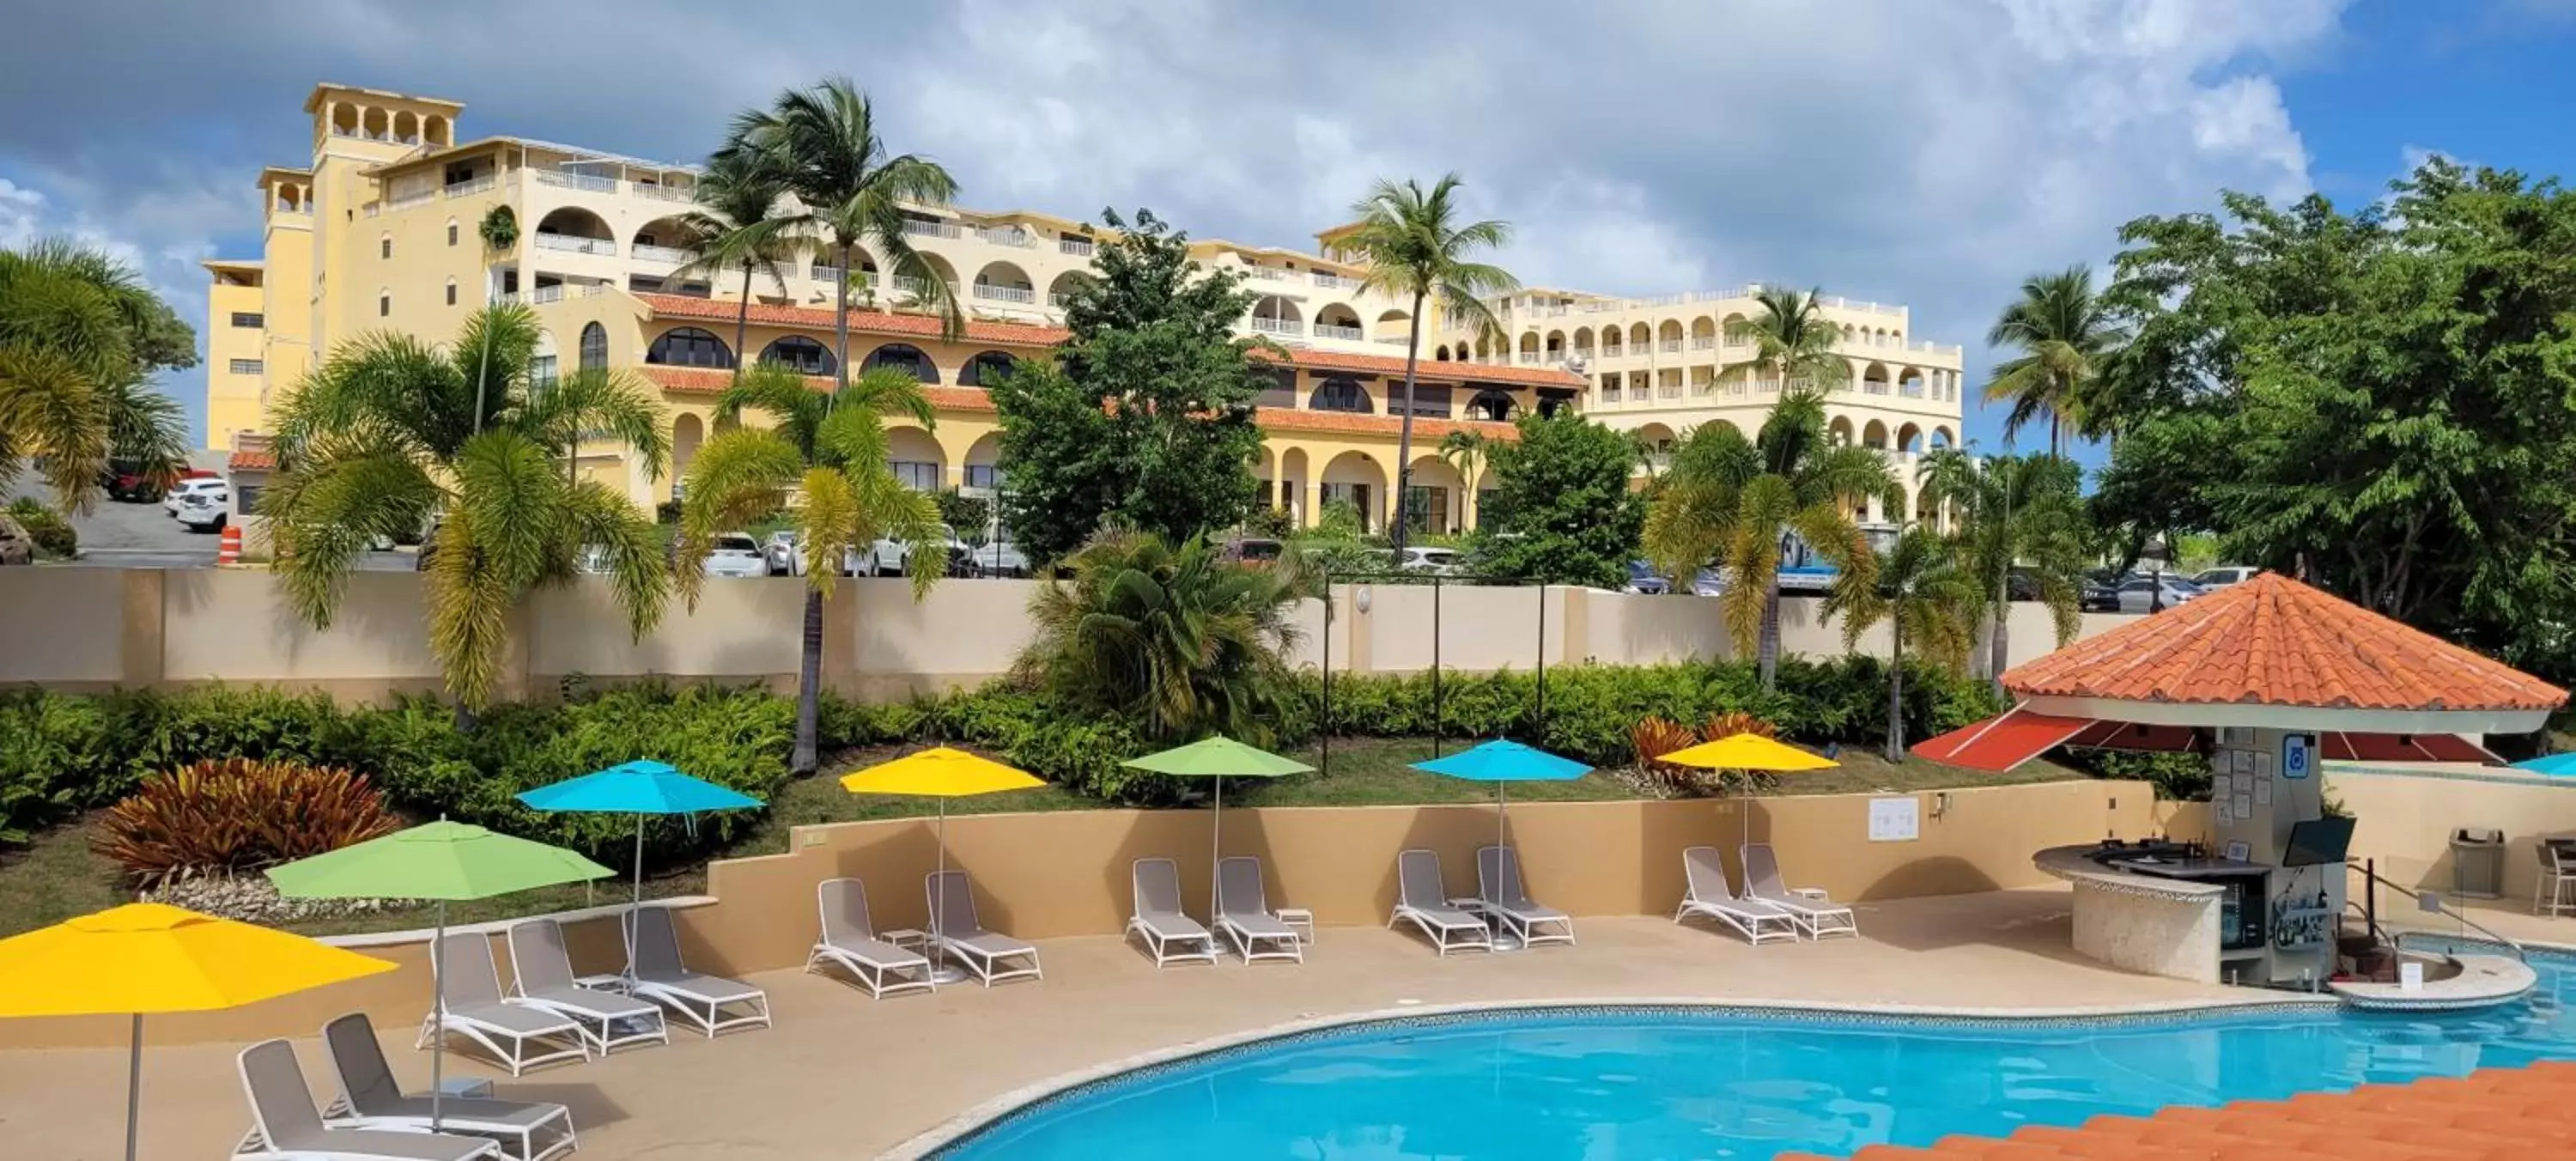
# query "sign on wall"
(2297, 757)
(1895, 820)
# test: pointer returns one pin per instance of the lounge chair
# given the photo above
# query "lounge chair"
(286, 1127)
(1171, 936)
(1423, 899)
(518, 1037)
(1498, 883)
(1708, 897)
(369, 1099)
(541, 978)
(991, 955)
(1244, 916)
(656, 974)
(850, 940)
(1815, 911)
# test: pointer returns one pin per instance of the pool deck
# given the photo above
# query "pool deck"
(845, 1076)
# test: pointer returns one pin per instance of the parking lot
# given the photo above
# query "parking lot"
(114, 535)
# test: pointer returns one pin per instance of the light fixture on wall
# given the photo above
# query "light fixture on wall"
(1360, 598)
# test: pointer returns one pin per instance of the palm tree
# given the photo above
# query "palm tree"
(2067, 340)
(735, 225)
(1925, 597)
(831, 451)
(2022, 512)
(80, 335)
(1415, 248)
(1178, 639)
(823, 143)
(1792, 338)
(1467, 451)
(392, 432)
(1737, 503)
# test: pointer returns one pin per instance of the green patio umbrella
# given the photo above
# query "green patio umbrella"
(439, 861)
(1219, 757)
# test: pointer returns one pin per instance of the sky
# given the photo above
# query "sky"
(1932, 153)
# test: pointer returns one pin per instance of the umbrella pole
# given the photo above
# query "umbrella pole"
(134, 1087)
(638, 904)
(1216, 849)
(438, 1019)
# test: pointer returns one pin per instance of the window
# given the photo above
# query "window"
(984, 476)
(541, 371)
(1426, 509)
(803, 355)
(385, 246)
(1355, 495)
(244, 318)
(384, 305)
(984, 369)
(451, 233)
(451, 292)
(905, 358)
(1339, 394)
(245, 366)
(690, 347)
(594, 347)
(914, 474)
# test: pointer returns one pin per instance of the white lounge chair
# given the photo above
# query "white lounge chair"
(517, 1036)
(286, 1127)
(713, 1003)
(1498, 883)
(1707, 896)
(541, 977)
(850, 940)
(989, 954)
(1422, 899)
(1170, 936)
(1816, 912)
(370, 1099)
(1243, 914)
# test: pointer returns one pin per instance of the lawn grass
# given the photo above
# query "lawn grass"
(57, 877)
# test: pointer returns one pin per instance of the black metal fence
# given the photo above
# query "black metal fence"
(1437, 583)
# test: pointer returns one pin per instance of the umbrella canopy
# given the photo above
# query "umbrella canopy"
(640, 787)
(1500, 761)
(1748, 752)
(144, 958)
(1218, 757)
(939, 772)
(439, 860)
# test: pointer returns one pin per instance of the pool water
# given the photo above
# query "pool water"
(1667, 1083)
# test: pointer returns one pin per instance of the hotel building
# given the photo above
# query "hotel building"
(379, 230)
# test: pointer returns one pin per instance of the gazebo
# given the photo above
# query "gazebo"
(2267, 678)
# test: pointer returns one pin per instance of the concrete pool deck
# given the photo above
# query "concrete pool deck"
(843, 1076)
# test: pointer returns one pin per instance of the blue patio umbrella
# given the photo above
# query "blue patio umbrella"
(2560, 765)
(642, 788)
(1503, 763)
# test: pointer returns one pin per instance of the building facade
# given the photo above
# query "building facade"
(384, 229)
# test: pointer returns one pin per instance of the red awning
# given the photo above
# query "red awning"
(2002, 742)
(2108, 735)
(2352, 747)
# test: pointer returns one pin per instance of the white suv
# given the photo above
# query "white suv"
(217, 492)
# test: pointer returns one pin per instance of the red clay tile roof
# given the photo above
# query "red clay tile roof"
(2274, 641)
(2498, 1114)
(256, 461)
(862, 321)
(708, 381)
(1430, 370)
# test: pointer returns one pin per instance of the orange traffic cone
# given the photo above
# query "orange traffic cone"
(230, 553)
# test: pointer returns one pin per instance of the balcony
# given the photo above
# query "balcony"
(923, 229)
(1670, 346)
(827, 275)
(1009, 236)
(1910, 389)
(577, 244)
(1078, 247)
(1668, 391)
(1334, 281)
(1265, 273)
(407, 201)
(470, 186)
(665, 255)
(1059, 301)
(1330, 331)
(660, 192)
(1704, 343)
(906, 285)
(581, 181)
(1000, 293)
(1529, 358)
(1278, 326)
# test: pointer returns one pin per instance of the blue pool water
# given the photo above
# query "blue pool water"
(1660, 1083)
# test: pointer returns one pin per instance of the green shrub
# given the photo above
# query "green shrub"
(53, 535)
(238, 816)
(2180, 777)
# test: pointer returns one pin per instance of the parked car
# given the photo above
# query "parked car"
(2224, 575)
(2137, 593)
(1001, 558)
(1254, 551)
(212, 487)
(203, 512)
(1642, 578)
(16, 547)
(2098, 597)
(780, 552)
(894, 557)
(1430, 559)
(736, 555)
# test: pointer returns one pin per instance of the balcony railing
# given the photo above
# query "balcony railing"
(827, 275)
(671, 255)
(471, 186)
(1670, 346)
(924, 229)
(1059, 301)
(1012, 236)
(1265, 273)
(1704, 343)
(1529, 358)
(545, 294)
(659, 192)
(1336, 281)
(1000, 293)
(905, 284)
(1910, 389)
(1668, 391)
(1278, 326)
(1078, 247)
(407, 201)
(1874, 386)
(1609, 395)
(577, 244)
(581, 181)
(1331, 331)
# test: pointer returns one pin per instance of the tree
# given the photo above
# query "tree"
(2014, 512)
(1562, 512)
(831, 450)
(1145, 416)
(391, 432)
(1737, 504)
(1792, 339)
(80, 336)
(1466, 451)
(1926, 598)
(1416, 249)
(823, 141)
(736, 226)
(1177, 639)
(2067, 338)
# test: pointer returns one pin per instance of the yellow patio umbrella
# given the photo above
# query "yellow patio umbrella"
(146, 958)
(941, 773)
(1748, 752)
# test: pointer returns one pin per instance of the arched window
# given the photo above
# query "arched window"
(384, 304)
(1339, 394)
(689, 347)
(801, 354)
(1491, 405)
(451, 231)
(594, 347)
(984, 369)
(451, 292)
(385, 246)
(903, 357)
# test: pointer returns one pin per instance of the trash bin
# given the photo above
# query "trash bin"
(2477, 863)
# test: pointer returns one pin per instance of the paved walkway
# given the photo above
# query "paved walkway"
(842, 1076)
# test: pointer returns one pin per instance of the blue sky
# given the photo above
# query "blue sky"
(1928, 152)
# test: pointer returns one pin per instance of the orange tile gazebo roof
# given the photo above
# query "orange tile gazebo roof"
(2274, 641)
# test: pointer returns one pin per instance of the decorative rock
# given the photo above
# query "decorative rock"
(252, 899)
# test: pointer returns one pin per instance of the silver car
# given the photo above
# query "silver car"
(1000, 558)
(780, 551)
(736, 556)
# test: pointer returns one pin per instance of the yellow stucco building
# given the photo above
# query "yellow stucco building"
(381, 230)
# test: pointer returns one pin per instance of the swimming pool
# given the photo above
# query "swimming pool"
(1685, 1082)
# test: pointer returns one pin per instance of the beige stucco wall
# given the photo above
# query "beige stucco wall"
(2405, 821)
(237, 625)
(61, 625)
